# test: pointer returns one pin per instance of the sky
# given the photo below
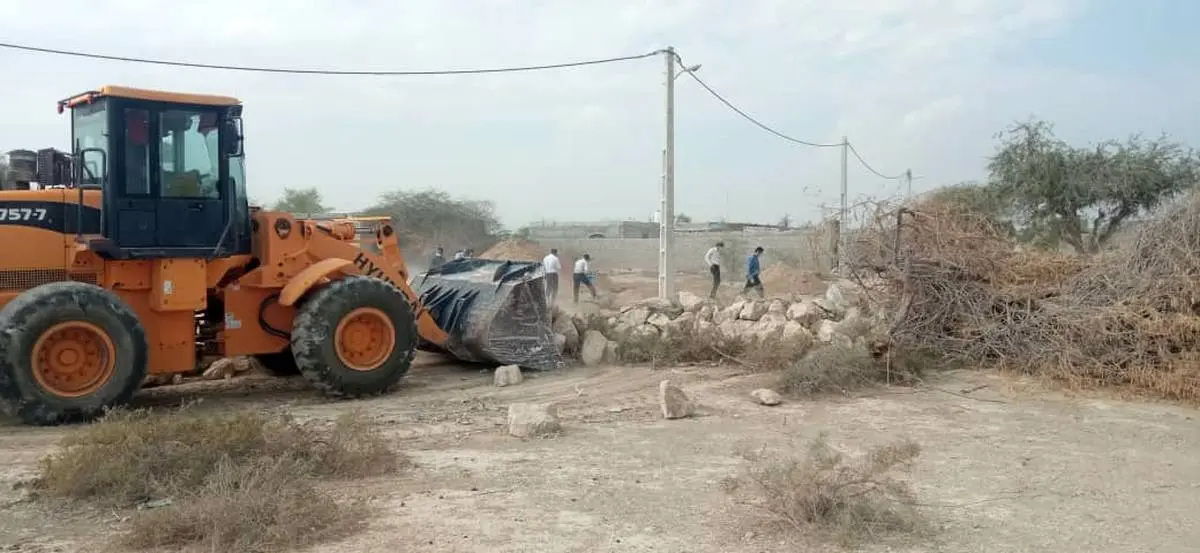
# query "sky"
(914, 84)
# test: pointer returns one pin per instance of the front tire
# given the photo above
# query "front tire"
(354, 337)
(68, 351)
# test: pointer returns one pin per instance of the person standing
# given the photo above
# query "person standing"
(712, 258)
(552, 266)
(582, 276)
(754, 273)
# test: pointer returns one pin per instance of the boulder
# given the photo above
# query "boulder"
(766, 397)
(580, 322)
(565, 327)
(635, 316)
(690, 302)
(646, 332)
(533, 420)
(795, 332)
(753, 310)
(592, 352)
(658, 320)
(674, 403)
(768, 328)
(777, 307)
(706, 313)
(804, 312)
(731, 312)
(825, 330)
(560, 343)
(507, 375)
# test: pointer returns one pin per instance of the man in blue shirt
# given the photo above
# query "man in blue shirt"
(753, 272)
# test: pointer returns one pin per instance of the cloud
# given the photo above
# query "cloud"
(914, 83)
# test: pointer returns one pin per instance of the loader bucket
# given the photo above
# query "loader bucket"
(494, 311)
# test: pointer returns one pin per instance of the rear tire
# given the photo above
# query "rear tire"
(354, 337)
(68, 351)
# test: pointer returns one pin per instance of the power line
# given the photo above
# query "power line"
(297, 71)
(868, 165)
(747, 116)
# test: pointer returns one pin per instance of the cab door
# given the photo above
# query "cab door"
(190, 212)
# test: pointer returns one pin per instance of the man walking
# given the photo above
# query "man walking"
(754, 273)
(552, 266)
(712, 258)
(583, 276)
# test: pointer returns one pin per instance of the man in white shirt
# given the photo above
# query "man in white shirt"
(712, 258)
(583, 276)
(552, 266)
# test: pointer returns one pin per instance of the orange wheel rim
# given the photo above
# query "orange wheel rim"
(365, 338)
(73, 359)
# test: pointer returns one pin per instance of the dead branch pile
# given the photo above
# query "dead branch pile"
(968, 291)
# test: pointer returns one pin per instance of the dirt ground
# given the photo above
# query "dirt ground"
(1007, 466)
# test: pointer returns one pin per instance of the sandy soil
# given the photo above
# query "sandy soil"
(1006, 466)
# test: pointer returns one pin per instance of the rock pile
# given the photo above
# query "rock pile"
(830, 318)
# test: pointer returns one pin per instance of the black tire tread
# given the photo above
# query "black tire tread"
(317, 319)
(56, 302)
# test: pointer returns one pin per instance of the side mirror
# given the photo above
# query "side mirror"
(234, 142)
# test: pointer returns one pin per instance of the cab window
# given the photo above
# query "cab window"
(188, 155)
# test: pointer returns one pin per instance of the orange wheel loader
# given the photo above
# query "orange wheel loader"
(137, 253)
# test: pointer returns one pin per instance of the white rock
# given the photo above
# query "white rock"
(636, 316)
(645, 332)
(804, 312)
(674, 403)
(508, 375)
(777, 306)
(769, 327)
(826, 330)
(533, 420)
(659, 320)
(560, 343)
(766, 397)
(706, 313)
(689, 301)
(592, 352)
(565, 327)
(733, 311)
(794, 332)
(753, 311)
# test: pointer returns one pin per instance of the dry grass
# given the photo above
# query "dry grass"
(1124, 319)
(826, 493)
(843, 367)
(241, 481)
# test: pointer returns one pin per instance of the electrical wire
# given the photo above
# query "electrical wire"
(779, 134)
(747, 116)
(297, 71)
(864, 163)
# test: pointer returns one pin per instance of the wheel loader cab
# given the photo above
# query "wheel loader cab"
(171, 170)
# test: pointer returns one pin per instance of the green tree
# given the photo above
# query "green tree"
(682, 218)
(301, 200)
(1082, 196)
(429, 217)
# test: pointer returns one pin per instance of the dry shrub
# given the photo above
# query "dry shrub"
(849, 500)
(258, 505)
(1126, 318)
(242, 481)
(843, 367)
(683, 344)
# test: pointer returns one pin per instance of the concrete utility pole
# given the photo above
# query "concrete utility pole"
(908, 185)
(666, 232)
(842, 219)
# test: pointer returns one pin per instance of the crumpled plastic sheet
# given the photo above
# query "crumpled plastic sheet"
(494, 312)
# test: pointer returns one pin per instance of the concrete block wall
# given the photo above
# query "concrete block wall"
(805, 250)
